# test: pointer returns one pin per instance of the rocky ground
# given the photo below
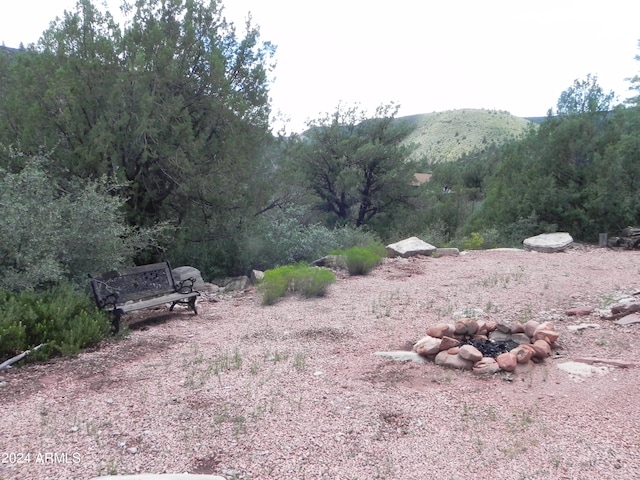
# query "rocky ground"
(294, 390)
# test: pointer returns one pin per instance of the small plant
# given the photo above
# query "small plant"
(361, 260)
(308, 281)
(473, 242)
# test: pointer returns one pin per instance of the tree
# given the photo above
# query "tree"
(356, 166)
(175, 105)
(584, 96)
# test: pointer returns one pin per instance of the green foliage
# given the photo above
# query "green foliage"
(473, 242)
(54, 232)
(63, 318)
(356, 166)
(283, 236)
(361, 260)
(308, 281)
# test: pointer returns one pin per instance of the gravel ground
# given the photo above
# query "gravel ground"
(293, 390)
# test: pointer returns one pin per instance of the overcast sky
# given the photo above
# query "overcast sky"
(426, 55)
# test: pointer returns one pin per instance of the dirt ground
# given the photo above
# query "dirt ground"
(294, 390)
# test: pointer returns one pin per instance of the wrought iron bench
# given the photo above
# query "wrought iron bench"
(136, 288)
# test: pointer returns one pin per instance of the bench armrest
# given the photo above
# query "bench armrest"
(186, 285)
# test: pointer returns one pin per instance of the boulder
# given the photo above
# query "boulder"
(471, 353)
(440, 330)
(542, 348)
(445, 359)
(409, 247)
(507, 361)
(486, 366)
(427, 346)
(548, 242)
(186, 272)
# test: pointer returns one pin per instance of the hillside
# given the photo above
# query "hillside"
(446, 136)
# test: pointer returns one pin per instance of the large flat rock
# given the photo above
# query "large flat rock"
(409, 247)
(548, 242)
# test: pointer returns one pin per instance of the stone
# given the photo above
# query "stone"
(449, 342)
(507, 361)
(491, 326)
(523, 354)
(548, 242)
(520, 338)
(256, 276)
(409, 247)
(331, 261)
(498, 336)
(471, 325)
(530, 327)
(453, 350)
(579, 311)
(542, 348)
(445, 359)
(440, 330)
(549, 336)
(579, 371)
(628, 319)
(427, 346)
(517, 328)
(503, 327)
(486, 366)
(607, 361)
(402, 356)
(471, 353)
(186, 272)
(626, 305)
(482, 328)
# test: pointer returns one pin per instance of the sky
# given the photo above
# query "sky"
(424, 55)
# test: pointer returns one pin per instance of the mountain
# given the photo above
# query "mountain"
(446, 136)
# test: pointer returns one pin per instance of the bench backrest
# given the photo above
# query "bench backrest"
(133, 284)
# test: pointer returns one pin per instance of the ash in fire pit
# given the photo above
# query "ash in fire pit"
(491, 348)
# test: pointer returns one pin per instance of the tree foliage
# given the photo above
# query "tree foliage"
(356, 166)
(174, 104)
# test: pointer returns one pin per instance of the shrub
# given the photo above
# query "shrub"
(361, 260)
(63, 318)
(473, 242)
(308, 281)
(53, 233)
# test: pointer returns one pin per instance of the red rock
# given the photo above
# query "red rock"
(486, 366)
(482, 328)
(542, 348)
(472, 325)
(440, 330)
(545, 326)
(517, 328)
(427, 346)
(550, 336)
(448, 342)
(507, 361)
(471, 353)
(579, 311)
(453, 350)
(530, 327)
(453, 361)
(523, 354)
(491, 326)
(628, 305)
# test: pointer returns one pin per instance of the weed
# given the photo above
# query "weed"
(308, 281)
(299, 361)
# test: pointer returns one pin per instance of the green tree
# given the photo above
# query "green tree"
(584, 96)
(356, 166)
(174, 105)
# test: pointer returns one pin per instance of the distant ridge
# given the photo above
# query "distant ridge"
(446, 136)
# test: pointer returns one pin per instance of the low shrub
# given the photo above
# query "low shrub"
(308, 281)
(361, 260)
(62, 317)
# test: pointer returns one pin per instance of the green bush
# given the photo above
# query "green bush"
(361, 260)
(63, 318)
(308, 281)
(54, 232)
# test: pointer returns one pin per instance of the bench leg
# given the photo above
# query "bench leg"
(117, 314)
(192, 305)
